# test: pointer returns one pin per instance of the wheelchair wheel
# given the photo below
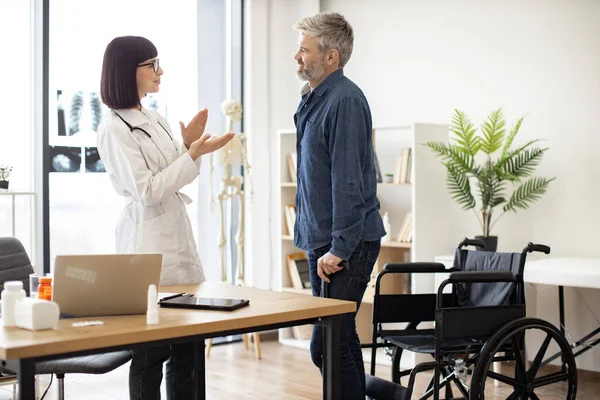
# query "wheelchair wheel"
(526, 383)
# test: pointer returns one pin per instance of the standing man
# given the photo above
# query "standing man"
(338, 219)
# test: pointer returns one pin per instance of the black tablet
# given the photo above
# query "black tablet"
(204, 303)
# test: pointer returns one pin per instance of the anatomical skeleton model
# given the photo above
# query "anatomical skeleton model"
(233, 153)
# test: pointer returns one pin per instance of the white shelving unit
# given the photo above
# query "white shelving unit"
(30, 212)
(425, 197)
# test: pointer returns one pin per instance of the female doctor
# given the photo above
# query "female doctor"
(148, 167)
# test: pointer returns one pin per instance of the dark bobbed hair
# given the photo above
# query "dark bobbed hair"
(118, 85)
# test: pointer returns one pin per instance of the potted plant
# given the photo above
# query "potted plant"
(5, 171)
(500, 168)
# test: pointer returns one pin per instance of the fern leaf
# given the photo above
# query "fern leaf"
(462, 127)
(525, 162)
(459, 187)
(511, 137)
(490, 186)
(502, 161)
(493, 132)
(451, 154)
(528, 192)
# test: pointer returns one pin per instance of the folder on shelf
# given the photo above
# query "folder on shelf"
(299, 270)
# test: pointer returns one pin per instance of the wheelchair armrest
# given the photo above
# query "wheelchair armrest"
(416, 267)
(471, 242)
(531, 247)
(481, 276)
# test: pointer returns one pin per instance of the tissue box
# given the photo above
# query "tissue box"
(36, 314)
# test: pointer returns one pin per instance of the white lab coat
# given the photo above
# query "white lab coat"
(149, 172)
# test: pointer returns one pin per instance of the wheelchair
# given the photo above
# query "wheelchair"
(479, 320)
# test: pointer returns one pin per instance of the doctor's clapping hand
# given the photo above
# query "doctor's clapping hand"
(196, 141)
(205, 144)
(194, 129)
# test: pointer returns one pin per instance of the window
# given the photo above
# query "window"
(199, 45)
(16, 133)
(83, 207)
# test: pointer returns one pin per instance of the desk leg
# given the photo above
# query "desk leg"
(14, 225)
(200, 370)
(26, 380)
(331, 357)
(561, 311)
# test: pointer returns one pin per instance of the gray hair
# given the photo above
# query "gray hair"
(332, 31)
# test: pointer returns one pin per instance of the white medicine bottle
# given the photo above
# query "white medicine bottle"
(13, 290)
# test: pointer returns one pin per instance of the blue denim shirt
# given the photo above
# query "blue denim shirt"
(336, 200)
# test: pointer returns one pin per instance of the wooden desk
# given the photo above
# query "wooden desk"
(20, 348)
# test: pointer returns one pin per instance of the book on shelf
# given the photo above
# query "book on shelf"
(292, 162)
(405, 234)
(403, 166)
(377, 168)
(299, 270)
(290, 218)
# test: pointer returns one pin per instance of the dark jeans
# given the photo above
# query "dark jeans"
(345, 285)
(146, 371)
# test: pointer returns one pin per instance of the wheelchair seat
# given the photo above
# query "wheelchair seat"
(424, 342)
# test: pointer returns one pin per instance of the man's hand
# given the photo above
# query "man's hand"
(327, 265)
(194, 130)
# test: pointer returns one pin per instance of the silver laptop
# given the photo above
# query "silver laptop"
(112, 284)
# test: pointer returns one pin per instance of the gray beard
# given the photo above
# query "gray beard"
(314, 73)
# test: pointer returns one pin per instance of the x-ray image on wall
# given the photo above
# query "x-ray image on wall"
(65, 159)
(78, 112)
(93, 163)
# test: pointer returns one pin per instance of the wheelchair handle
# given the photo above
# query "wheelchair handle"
(471, 242)
(542, 248)
(324, 289)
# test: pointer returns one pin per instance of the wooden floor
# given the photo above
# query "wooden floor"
(284, 373)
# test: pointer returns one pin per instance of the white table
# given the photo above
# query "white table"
(564, 271)
(561, 272)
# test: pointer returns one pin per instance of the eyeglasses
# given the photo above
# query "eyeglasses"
(155, 65)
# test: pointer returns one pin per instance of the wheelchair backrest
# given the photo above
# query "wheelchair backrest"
(486, 294)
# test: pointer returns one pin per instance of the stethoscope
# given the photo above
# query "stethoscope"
(133, 128)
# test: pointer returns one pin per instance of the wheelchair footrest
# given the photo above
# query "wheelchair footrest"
(380, 389)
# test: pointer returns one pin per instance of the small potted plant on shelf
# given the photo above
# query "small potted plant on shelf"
(5, 171)
(503, 168)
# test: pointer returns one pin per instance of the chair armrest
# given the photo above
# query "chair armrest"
(416, 267)
(482, 276)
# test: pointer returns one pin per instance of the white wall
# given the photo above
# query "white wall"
(419, 60)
